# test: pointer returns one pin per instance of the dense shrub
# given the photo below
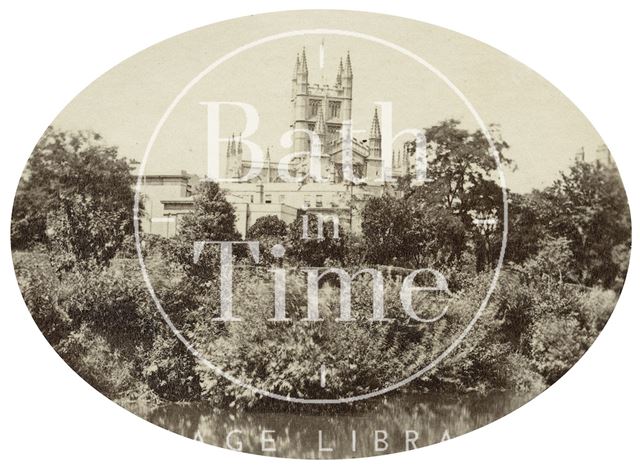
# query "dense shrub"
(41, 290)
(360, 356)
(75, 195)
(269, 231)
(101, 364)
(314, 251)
(105, 326)
(168, 369)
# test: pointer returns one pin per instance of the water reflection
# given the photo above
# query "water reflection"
(384, 426)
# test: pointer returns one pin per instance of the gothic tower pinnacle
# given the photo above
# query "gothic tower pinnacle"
(374, 133)
(300, 103)
(234, 156)
(304, 68)
(347, 85)
(348, 70)
(294, 79)
(375, 139)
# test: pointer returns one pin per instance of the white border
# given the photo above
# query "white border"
(51, 417)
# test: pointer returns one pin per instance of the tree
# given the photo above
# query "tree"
(269, 231)
(82, 231)
(588, 206)
(213, 217)
(485, 202)
(76, 196)
(462, 160)
(436, 235)
(527, 230)
(386, 222)
(314, 251)
(414, 230)
(553, 262)
(462, 167)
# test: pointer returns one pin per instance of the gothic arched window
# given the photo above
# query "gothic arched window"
(334, 109)
(314, 105)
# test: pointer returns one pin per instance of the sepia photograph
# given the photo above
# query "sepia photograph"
(320, 234)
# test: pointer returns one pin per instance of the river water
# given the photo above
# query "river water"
(384, 426)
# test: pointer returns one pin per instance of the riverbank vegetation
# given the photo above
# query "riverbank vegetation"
(564, 266)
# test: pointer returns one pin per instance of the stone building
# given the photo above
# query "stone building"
(319, 114)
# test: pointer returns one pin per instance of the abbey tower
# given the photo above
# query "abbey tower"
(320, 114)
(321, 108)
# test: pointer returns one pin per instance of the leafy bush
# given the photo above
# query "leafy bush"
(359, 357)
(75, 194)
(314, 252)
(269, 231)
(102, 322)
(169, 369)
(102, 365)
(41, 290)
(105, 326)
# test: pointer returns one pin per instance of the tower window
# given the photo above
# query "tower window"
(318, 201)
(334, 109)
(314, 105)
(267, 198)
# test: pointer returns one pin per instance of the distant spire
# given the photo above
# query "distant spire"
(349, 72)
(233, 144)
(375, 126)
(375, 139)
(228, 146)
(297, 67)
(268, 158)
(340, 72)
(305, 69)
(239, 150)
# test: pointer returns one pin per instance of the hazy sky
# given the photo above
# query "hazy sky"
(542, 127)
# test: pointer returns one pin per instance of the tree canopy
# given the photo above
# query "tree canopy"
(437, 218)
(315, 251)
(269, 231)
(76, 196)
(213, 217)
(587, 206)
